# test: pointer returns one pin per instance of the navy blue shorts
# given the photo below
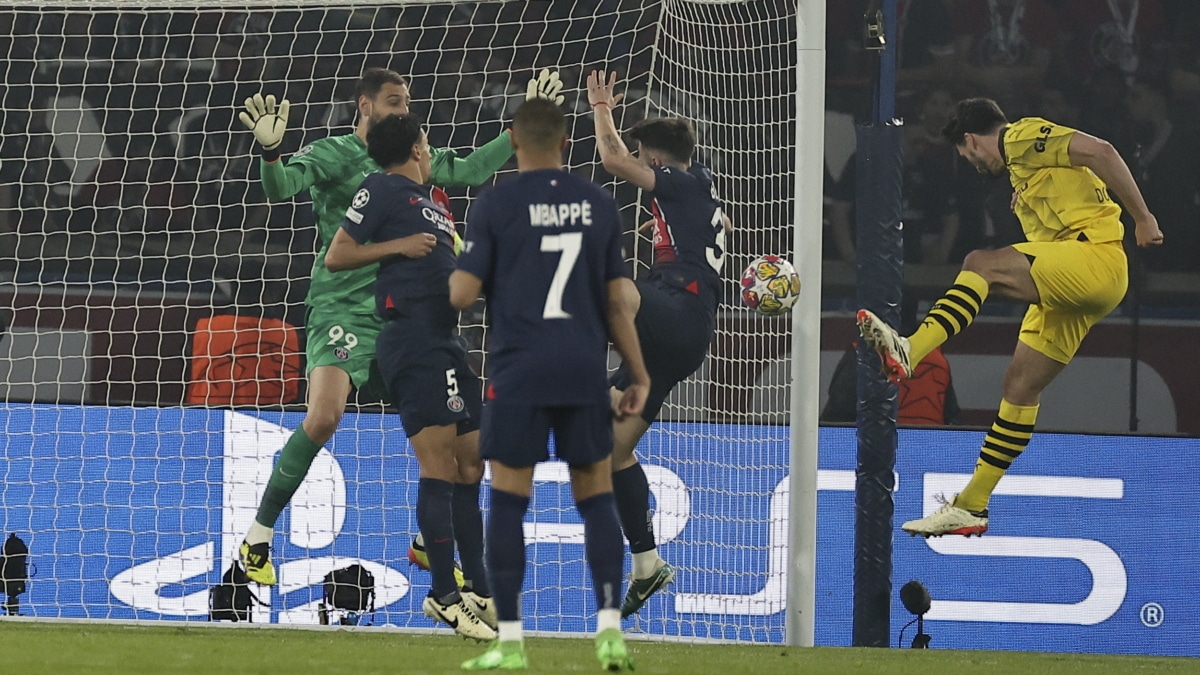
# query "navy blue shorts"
(675, 330)
(428, 378)
(516, 435)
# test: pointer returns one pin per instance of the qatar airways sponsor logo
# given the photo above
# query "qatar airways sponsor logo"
(440, 220)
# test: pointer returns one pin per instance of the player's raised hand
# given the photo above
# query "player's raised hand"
(1147, 232)
(600, 92)
(266, 121)
(416, 245)
(546, 85)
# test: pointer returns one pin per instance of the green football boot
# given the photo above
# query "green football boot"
(500, 656)
(640, 590)
(611, 651)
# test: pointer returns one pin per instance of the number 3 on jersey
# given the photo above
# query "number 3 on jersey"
(568, 244)
(716, 252)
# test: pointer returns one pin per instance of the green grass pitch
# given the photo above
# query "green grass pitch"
(76, 647)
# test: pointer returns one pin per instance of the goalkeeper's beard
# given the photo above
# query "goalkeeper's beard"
(374, 119)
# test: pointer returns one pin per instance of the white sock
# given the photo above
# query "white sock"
(608, 618)
(259, 534)
(645, 563)
(511, 631)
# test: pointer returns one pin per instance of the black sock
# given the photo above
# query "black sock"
(436, 520)
(602, 545)
(468, 534)
(506, 552)
(632, 492)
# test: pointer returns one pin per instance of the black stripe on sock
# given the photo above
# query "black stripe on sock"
(953, 312)
(994, 461)
(967, 308)
(1001, 449)
(1011, 440)
(969, 292)
(1013, 426)
(944, 323)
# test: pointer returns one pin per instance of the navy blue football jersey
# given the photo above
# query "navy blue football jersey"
(689, 231)
(391, 206)
(545, 245)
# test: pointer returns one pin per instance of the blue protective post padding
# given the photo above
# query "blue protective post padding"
(880, 277)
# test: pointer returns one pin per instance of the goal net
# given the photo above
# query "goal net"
(152, 299)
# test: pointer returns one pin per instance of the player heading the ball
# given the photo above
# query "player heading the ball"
(1072, 272)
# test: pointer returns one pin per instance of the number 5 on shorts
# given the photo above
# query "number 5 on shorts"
(451, 383)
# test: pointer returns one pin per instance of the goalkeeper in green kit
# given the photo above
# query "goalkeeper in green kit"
(341, 325)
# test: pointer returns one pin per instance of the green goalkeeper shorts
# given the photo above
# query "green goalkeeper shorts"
(346, 341)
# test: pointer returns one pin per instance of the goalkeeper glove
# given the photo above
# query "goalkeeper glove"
(267, 123)
(546, 85)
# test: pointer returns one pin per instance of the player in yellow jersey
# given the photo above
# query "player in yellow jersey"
(1072, 272)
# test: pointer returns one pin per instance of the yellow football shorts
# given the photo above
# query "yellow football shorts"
(1080, 283)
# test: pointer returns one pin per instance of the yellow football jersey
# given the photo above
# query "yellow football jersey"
(1054, 199)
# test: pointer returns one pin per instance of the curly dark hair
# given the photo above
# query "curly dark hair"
(973, 116)
(673, 135)
(391, 139)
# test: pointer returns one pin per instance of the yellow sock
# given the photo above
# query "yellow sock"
(1005, 442)
(949, 316)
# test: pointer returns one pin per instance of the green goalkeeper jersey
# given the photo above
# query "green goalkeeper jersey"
(331, 169)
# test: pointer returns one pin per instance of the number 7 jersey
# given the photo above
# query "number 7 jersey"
(545, 245)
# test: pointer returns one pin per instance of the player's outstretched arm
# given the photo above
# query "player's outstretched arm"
(622, 308)
(347, 254)
(448, 169)
(614, 155)
(1103, 159)
(268, 122)
(464, 289)
(547, 85)
(485, 161)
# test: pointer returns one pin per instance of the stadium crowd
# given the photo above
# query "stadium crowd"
(1126, 70)
(120, 158)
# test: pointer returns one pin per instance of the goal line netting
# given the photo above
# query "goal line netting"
(134, 233)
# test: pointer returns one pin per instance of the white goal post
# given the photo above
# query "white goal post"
(132, 219)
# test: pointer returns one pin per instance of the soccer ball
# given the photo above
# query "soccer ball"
(770, 285)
